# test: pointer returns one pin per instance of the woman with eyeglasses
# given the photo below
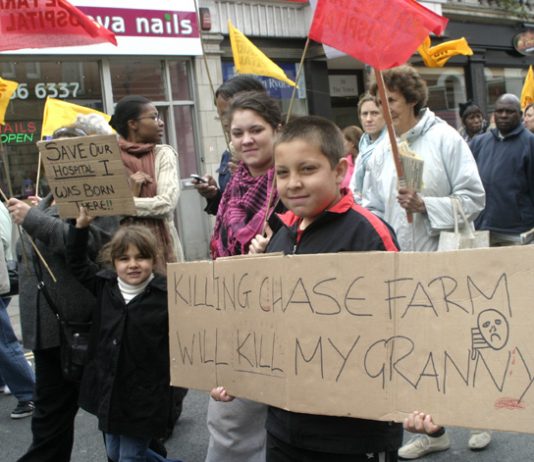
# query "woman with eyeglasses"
(152, 170)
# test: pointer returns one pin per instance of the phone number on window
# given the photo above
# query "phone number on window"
(42, 90)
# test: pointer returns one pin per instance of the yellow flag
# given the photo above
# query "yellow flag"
(527, 93)
(7, 87)
(249, 59)
(58, 113)
(438, 55)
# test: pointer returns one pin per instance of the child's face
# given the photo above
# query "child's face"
(306, 182)
(133, 268)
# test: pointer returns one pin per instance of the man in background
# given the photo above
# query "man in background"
(505, 159)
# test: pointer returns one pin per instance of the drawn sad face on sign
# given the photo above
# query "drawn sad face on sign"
(494, 328)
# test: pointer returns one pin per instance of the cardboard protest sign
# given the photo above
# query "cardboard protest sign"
(87, 171)
(371, 335)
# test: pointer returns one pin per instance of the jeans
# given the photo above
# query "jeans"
(14, 369)
(121, 448)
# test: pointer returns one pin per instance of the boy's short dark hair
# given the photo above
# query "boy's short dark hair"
(317, 131)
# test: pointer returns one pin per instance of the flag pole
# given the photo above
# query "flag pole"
(5, 161)
(38, 175)
(297, 78)
(391, 133)
(288, 115)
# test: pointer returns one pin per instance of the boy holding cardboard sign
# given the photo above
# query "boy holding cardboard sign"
(309, 168)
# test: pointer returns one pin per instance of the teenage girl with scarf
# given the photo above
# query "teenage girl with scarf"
(237, 428)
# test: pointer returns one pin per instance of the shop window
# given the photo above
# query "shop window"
(183, 125)
(8, 70)
(143, 78)
(500, 81)
(446, 90)
(345, 86)
(24, 115)
(180, 85)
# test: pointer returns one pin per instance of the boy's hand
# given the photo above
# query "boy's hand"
(411, 201)
(259, 243)
(207, 190)
(419, 422)
(220, 394)
(83, 220)
(18, 210)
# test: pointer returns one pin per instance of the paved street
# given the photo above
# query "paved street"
(189, 440)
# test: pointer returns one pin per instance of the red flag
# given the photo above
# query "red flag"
(50, 23)
(381, 33)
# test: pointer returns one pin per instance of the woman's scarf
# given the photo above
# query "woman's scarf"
(142, 157)
(242, 212)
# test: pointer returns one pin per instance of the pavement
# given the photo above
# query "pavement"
(190, 437)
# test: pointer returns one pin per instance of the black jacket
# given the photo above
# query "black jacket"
(345, 227)
(126, 382)
(506, 167)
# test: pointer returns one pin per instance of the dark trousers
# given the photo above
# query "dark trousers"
(278, 451)
(56, 405)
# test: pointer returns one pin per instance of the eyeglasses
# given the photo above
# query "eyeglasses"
(155, 118)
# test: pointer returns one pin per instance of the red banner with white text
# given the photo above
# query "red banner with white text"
(47, 23)
(381, 33)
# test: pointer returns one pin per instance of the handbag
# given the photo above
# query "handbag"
(463, 236)
(73, 335)
(74, 341)
(74, 348)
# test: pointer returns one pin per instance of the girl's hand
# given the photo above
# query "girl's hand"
(220, 394)
(137, 180)
(207, 190)
(419, 422)
(18, 210)
(83, 220)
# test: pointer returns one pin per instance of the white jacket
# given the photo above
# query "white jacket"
(449, 169)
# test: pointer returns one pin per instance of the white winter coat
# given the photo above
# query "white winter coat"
(449, 169)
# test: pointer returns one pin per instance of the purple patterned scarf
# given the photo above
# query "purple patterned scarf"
(241, 213)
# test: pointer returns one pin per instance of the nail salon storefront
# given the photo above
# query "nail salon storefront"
(154, 58)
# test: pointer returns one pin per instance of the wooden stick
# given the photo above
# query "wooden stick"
(5, 161)
(288, 115)
(297, 78)
(392, 136)
(43, 261)
(38, 175)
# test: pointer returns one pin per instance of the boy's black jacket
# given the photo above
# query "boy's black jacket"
(343, 228)
(126, 382)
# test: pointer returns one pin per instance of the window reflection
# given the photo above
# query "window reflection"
(72, 81)
(138, 78)
(446, 90)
